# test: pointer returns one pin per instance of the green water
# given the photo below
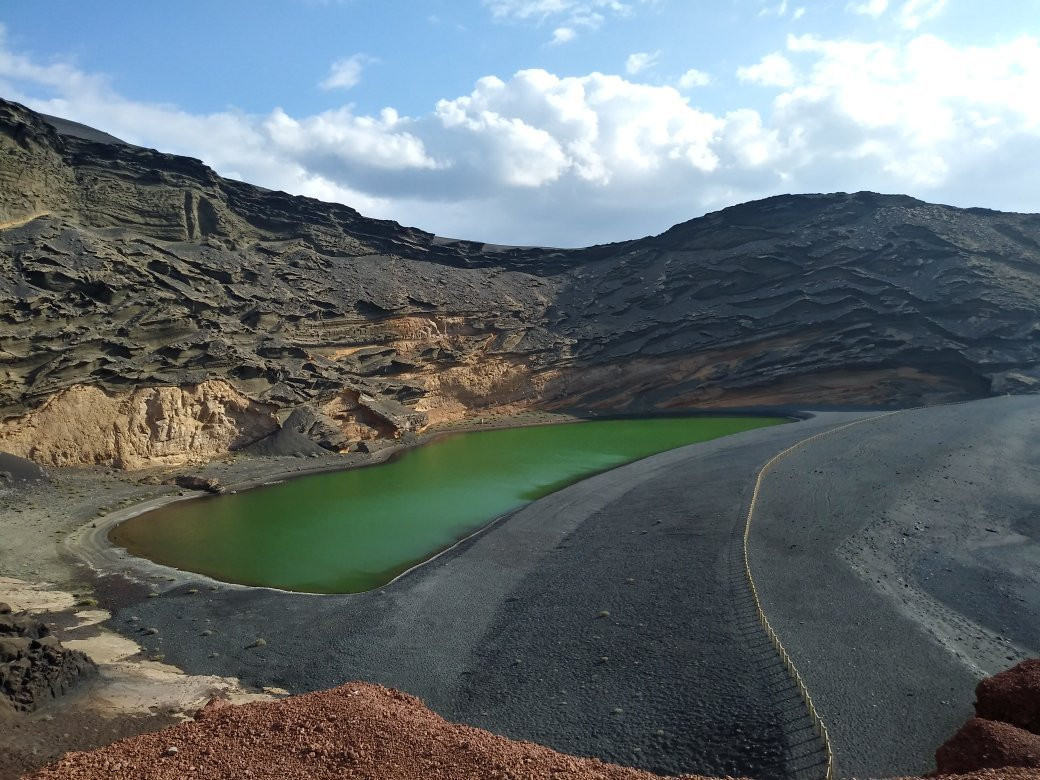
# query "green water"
(351, 531)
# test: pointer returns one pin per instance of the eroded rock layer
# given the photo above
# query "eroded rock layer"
(131, 278)
(34, 667)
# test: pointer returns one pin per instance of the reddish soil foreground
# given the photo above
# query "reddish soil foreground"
(353, 731)
(1006, 732)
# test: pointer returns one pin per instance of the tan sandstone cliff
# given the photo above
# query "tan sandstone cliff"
(167, 426)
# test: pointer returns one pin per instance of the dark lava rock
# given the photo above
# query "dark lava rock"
(34, 667)
(18, 472)
(286, 441)
(129, 268)
(195, 482)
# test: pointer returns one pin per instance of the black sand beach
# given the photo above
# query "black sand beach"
(611, 618)
(507, 632)
(900, 562)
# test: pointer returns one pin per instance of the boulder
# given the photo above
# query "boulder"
(34, 667)
(987, 744)
(1013, 696)
(196, 482)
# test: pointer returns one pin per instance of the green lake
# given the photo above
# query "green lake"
(354, 530)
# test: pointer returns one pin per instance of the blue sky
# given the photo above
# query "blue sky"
(562, 122)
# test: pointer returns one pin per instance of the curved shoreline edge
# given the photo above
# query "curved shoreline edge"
(432, 599)
(90, 543)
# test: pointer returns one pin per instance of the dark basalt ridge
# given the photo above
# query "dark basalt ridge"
(34, 667)
(124, 268)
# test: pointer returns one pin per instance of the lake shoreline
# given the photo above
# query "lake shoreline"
(357, 529)
(52, 579)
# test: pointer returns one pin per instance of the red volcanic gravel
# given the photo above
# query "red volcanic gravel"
(1013, 696)
(1008, 773)
(357, 730)
(988, 744)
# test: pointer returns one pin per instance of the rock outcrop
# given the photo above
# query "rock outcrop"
(132, 429)
(1006, 729)
(126, 271)
(988, 744)
(1013, 696)
(34, 667)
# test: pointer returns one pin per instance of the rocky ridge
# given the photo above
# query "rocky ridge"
(152, 312)
(1005, 731)
(34, 667)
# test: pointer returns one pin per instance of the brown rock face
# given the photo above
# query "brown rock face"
(126, 273)
(987, 744)
(147, 426)
(1013, 696)
(356, 730)
(1006, 731)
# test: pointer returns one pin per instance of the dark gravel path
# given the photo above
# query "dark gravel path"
(868, 546)
(492, 633)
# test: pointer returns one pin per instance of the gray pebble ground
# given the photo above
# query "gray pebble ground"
(610, 618)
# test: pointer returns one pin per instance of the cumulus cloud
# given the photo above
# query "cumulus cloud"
(694, 78)
(873, 8)
(781, 9)
(913, 13)
(773, 70)
(539, 128)
(582, 13)
(345, 73)
(640, 61)
(916, 113)
(910, 14)
(541, 158)
(562, 35)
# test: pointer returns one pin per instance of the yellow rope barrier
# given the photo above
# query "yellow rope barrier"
(774, 638)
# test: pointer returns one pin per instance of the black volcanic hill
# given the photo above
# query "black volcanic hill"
(124, 271)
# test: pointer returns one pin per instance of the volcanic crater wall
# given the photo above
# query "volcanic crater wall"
(127, 276)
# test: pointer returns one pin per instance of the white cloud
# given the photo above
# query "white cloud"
(562, 35)
(541, 158)
(873, 8)
(345, 73)
(773, 70)
(640, 61)
(538, 127)
(544, 9)
(580, 13)
(339, 138)
(916, 113)
(914, 13)
(694, 78)
(779, 9)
